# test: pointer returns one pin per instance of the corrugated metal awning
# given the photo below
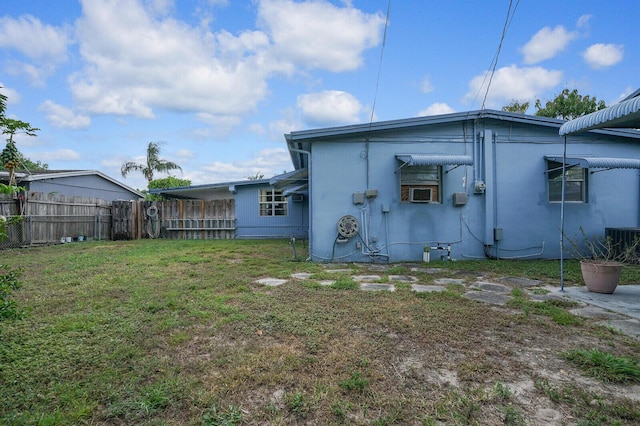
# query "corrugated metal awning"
(625, 114)
(434, 159)
(597, 162)
(297, 189)
(291, 178)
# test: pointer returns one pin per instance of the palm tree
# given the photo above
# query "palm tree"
(154, 164)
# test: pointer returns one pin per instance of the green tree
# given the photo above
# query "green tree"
(169, 182)
(516, 106)
(256, 176)
(28, 164)
(568, 105)
(10, 156)
(154, 164)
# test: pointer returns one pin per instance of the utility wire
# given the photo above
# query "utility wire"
(507, 23)
(384, 42)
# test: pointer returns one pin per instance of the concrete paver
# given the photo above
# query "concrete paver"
(377, 287)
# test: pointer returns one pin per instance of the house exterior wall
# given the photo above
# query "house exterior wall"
(82, 186)
(249, 223)
(510, 219)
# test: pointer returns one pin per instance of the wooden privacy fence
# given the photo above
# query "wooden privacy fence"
(48, 218)
(174, 219)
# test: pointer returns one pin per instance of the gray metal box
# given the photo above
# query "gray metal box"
(459, 198)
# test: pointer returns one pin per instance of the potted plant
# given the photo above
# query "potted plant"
(602, 260)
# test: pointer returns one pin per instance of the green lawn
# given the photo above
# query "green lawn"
(158, 332)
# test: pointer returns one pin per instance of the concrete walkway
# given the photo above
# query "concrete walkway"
(620, 310)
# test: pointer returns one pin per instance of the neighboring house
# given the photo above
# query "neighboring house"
(80, 183)
(263, 210)
(468, 185)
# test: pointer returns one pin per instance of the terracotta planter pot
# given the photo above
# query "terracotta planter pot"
(601, 277)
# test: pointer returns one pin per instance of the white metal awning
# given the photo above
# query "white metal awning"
(597, 162)
(295, 177)
(625, 114)
(434, 159)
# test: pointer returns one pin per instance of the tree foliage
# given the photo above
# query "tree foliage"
(168, 182)
(568, 105)
(256, 176)
(516, 106)
(153, 164)
(10, 156)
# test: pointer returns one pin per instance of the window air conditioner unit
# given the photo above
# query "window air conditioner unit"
(420, 195)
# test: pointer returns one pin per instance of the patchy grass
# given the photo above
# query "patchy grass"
(605, 366)
(179, 332)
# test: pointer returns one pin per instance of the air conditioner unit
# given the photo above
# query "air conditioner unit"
(420, 195)
(297, 198)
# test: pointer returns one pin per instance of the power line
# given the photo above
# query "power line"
(507, 22)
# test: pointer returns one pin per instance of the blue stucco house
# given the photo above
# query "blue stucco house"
(76, 183)
(472, 185)
(263, 208)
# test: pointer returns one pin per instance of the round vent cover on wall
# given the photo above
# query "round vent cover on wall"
(348, 226)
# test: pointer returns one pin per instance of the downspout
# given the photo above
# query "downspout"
(308, 154)
(564, 179)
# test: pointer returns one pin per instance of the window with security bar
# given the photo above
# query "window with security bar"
(273, 203)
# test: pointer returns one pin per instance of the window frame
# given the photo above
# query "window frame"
(575, 175)
(272, 203)
(410, 178)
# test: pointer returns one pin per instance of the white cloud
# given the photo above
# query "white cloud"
(43, 46)
(268, 162)
(57, 155)
(317, 34)
(426, 86)
(583, 21)
(279, 128)
(603, 55)
(13, 97)
(136, 62)
(34, 39)
(184, 155)
(60, 116)
(436, 109)
(329, 107)
(546, 44)
(512, 82)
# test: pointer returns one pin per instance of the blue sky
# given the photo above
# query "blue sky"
(219, 82)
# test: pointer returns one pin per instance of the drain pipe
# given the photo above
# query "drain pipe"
(308, 154)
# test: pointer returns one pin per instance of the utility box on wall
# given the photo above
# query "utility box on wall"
(459, 199)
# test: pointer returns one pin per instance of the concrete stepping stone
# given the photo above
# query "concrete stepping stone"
(427, 270)
(490, 297)
(630, 327)
(326, 282)
(378, 267)
(271, 282)
(595, 312)
(444, 281)
(496, 288)
(419, 288)
(301, 275)
(365, 278)
(403, 278)
(338, 271)
(377, 287)
(521, 282)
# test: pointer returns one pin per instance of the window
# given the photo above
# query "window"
(420, 184)
(272, 203)
(575, 186)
